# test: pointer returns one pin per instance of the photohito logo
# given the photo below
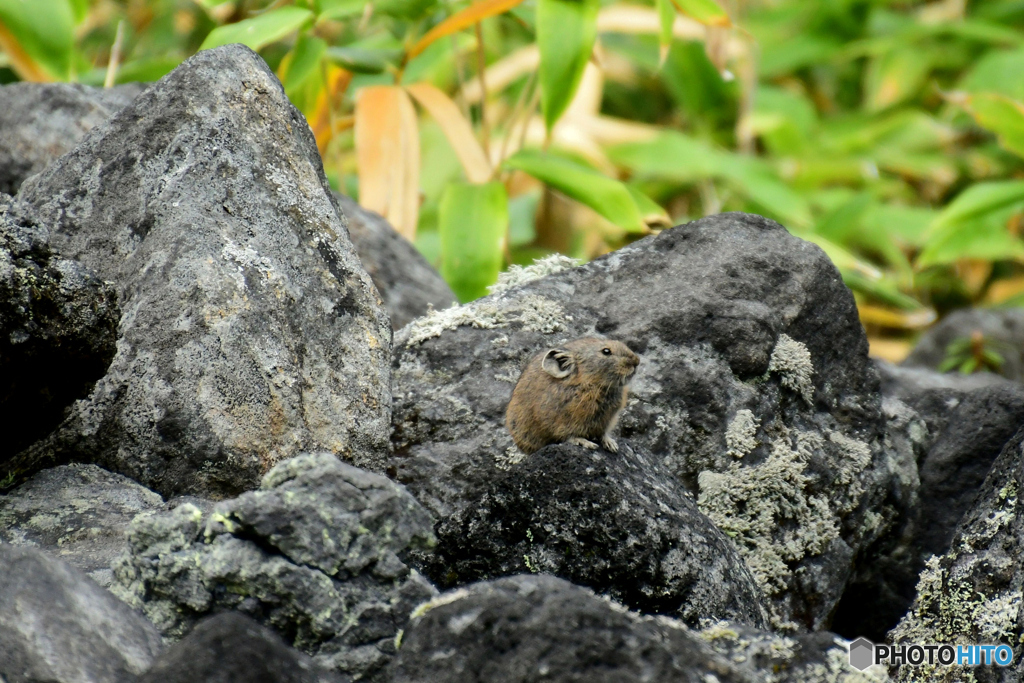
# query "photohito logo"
(864, 653)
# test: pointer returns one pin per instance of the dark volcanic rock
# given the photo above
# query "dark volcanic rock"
(406, 282)
(318, 554)
(249, 330)
(754, 389)
(56, 625)
(973, 593)
(58, 324)
(79, 513)
(231, 648)
(41, 121)
(538, 628)
(1005, 327)
(618, 524)
(969, 419)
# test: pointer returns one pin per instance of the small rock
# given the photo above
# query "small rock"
(58, 325)
(318, 554)
(57, 625)
(523, 629)
(41, 121)
(232, 648)
(79, 513)
(1004, 326)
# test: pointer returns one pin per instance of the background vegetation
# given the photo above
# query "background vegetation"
(490, 132)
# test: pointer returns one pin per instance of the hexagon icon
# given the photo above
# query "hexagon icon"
(862, 654)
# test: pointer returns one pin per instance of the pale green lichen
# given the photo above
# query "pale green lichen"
(533, 312)
(509, 459)
(740, 434)
(519, 275)
(792, 362)
(439, 601)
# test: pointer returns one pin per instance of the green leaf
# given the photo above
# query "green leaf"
(566, 30)
(666, 19)
(146, 70)
(884, 290)
(672, 156)
(969, 366)
(339, 9)
(306, 57)
(363, 60)
(948, 364)
(473, 222)
(1002, 116)
(608, 197)
(404, 9)
(707, 12)
(977, 201)
(45, 30)
(259, 30)
(895, 76)
(975, 239)
(998, 71)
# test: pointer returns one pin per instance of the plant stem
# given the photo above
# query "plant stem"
(481, 66)
(115, 56)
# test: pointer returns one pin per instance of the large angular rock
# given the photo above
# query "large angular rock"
(754, 389)
(41, 121)
(538, 628)
(57, 625)
(79, 513)
(318, 554)
(973, 593)
(618, 524)
(232, 648)
(407, 283)
(1005, 327)
(968, 420)
(249, 330)
(58, 324)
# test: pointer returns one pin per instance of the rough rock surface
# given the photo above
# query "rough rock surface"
(819, 657)
(973, 593)
(1005, 327)
(79, 513)
(966, 422)
(539, 628)
(232, 648)
(249, 330)
(407, 283)
(619, 524)
(58, 325)
(57, 625)
(318, 554)
(41, 121)
(754, 388)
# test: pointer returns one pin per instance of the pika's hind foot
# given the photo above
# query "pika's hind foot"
(609, 444)
(586, 443)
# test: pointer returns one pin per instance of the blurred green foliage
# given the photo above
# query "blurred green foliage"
(889, 132)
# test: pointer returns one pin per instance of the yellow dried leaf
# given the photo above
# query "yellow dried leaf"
(456, 128)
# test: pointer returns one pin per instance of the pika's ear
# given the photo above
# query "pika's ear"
(558, 363)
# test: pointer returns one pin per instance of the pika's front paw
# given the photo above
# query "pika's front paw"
(586, 443)
(609, 444)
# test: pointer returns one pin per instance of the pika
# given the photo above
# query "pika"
(574, 393)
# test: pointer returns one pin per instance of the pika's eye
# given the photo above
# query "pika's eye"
(606, 351)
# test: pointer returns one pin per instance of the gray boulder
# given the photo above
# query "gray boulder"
(58, 324)
(967, 420)
(1003, 326)
(41, 121)
(249, 330)
(973, 593)
(232, 648)
(56, 625)
(79, 513)
(754, 390)
(407, 283)
(618, 524)
(318, 554)
(538, 628)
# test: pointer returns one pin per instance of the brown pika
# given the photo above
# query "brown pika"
(574, 393)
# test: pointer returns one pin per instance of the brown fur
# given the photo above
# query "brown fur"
(583, 406)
